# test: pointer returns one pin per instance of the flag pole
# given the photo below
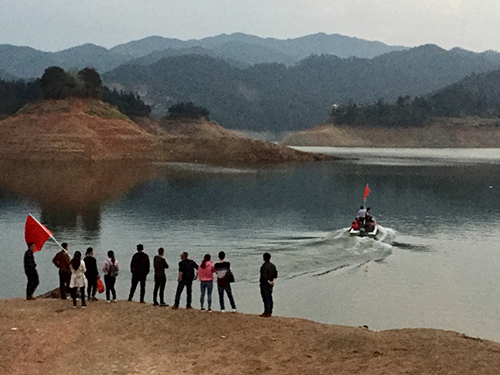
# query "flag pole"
(46, 230)
(57, 242)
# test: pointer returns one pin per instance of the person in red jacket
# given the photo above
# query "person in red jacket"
(355, 224)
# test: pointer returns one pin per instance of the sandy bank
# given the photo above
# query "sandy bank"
(49, 337)
(441, 133)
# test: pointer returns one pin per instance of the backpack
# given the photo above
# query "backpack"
(112, 270)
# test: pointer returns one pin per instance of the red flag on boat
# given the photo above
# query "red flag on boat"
(367, 191)
(36, 232)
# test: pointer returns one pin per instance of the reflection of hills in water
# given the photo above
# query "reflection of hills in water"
(254, 209)
(68, 190)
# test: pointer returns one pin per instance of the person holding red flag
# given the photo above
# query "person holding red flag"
(62, 261)
(30, 270)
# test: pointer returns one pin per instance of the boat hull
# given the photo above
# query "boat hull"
(363, 233)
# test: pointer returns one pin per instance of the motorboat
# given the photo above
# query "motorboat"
(364, 224)
(366, 230)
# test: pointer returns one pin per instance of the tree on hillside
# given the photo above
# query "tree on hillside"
(127, 103)
(56, 83)
(187, 110)
(15, 95)
(91, 81)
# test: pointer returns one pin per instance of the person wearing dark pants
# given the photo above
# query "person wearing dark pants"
(160, 265)
(61, 261)
(223, 270)
(78, 279)
(109, 283)
(110, 269)
(92, 274)
(268, 273)
(187, 273)
(139, 266)
(30, 270)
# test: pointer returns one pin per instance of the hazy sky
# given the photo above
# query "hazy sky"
(58, 24)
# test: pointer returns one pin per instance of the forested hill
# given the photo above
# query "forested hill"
(475, 96)
(239, 49)
(276, 97)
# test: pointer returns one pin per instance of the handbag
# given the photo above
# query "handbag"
(230, 276)
(100, 285)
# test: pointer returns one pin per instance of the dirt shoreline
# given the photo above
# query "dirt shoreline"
(48, 336)
(441, 133)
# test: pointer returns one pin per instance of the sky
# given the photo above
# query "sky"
(53, 25)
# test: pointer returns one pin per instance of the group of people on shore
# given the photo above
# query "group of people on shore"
(76, 273)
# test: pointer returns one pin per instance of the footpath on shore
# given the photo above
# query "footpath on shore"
(48, 336)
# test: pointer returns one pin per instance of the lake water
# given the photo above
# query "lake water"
(436, 263)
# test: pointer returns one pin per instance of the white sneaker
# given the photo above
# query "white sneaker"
(223, 311)
(108, 301)
(233, 310)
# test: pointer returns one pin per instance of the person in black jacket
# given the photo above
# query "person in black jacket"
(92, 274)
(268, 274)
(222, 270)
(160, 265)
(187, 273)
(139, 266)
(30, 270)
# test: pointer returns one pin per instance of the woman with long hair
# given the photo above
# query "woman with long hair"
(78, 279)
(110, 269)
(92, 274)
(206, 275)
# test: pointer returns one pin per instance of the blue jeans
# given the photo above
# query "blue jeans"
(267, 297)
(221, 290)
(206, 286)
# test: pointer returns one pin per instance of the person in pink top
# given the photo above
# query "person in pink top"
(206, 275)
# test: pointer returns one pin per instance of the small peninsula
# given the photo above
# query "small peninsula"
(88, 129)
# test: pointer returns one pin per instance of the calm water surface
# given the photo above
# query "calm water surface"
(436, 263)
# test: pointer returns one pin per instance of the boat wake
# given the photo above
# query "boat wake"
(319, 253)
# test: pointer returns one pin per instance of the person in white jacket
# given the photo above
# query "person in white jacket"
(78, 279)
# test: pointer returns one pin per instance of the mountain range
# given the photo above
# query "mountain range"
(240, 49)
(260, 84)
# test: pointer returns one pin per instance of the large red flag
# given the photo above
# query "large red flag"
(367, 191)
(36, 232)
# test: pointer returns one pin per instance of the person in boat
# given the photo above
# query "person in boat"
(355, 224)
(368, 216)
(361, 216)
(370, 224)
